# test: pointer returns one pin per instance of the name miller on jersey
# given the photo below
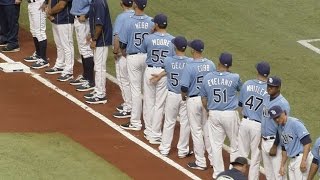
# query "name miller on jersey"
(160, 42)
(256, 89)
(141, 25)
(219, 81)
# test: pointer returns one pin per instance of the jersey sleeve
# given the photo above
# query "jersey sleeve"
(100, 14)
(300, 130)
(203, 92)
(242, 93)
(144, 46)
(316, 150)
(239, 84)
(123, 34)
(117, 26)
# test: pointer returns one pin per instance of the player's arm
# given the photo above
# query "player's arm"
(306, 141)
(204, 101)
(184, 92)
(284, 158)
(58, 7)
(274, 148)
(116, 44)
(156, 77)
(313, 169)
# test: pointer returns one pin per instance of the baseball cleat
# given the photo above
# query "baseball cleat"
(3, 44)
(33, 58)
(40, 64)
(10, 49)
(120, 107)
(86, 86)
(193, 165)
(65, 77)
(185, 155)
(122, 114)
(96, 100)
(89, 95)
(164, 154)
(146, 136)
(155, 141)
(78, 81)
(129, 126)
(54, 70)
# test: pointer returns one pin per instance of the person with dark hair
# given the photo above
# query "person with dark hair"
(238, 171)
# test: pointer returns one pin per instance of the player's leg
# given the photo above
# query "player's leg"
(171, 113)
(194, 109)
(255, 133)
(231, 123)
(184, 137)
(125, 84)
(276, 162)
(267, 159)
(244, 138)
(12, 13)
(32, 20)
(206, 138)
(160, 97)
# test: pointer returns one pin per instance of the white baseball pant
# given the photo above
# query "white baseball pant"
(82, 30)
(136, 66)
(197, 116)
(174, 107)
(294, 168)
(271, 164)
(63, 37)
(154, 97)
(100, 60)
(222, 123)
(124, 82)
(248, 140)
(37, 19)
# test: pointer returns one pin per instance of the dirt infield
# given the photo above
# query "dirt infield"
(28, 106)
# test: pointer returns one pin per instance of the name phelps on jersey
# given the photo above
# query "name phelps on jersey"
(142, 25)
(219, 81)
(160, 42)
(256, 89)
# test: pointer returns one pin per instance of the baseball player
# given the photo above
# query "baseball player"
(101, 38)
(295, 141)
(191, 81)
(131, 38)
(37, 21)
(62, 28)
(79, 10)
(251, 98)
(219, 97)
(157, 46)
(316, 160)
(124, 110)
(238, 172)
(270, 150)
(173, 68)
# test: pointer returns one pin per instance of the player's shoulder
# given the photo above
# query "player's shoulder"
(317, 142)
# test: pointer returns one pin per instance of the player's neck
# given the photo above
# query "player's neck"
(197, 56)
(138, 12)
(179, 53)
(262, 78)
(162, 31)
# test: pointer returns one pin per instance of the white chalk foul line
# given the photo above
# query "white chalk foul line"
(107, 121)
(306, 43)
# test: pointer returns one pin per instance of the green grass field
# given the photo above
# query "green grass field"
(32, 156)
(252, 31)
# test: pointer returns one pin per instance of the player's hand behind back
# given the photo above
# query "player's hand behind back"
(155, 78)
(273, 150)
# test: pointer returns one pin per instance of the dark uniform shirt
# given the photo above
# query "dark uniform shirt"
(232, 174)
(7, 2)
(99, 15)
(64, 16)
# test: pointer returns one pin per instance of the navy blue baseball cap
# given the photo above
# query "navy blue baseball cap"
(263, 68)
(240, 160)
(274, 81)
(141, 3)
(180, 42)
(160, 19)
(127, 2)
(275, 111)
(197, 45)
(226, 59)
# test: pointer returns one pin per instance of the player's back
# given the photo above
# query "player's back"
(193, 75)
(251, 97)
(134, 31)
(221, 90)
(120, 20)
(174, 66)
(157, 46)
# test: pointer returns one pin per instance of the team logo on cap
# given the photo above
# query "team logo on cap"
(273, 112)
(270, 80)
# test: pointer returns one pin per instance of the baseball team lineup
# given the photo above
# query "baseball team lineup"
(159, 84)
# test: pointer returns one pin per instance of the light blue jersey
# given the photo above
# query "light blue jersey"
(316, 151)
(80, 7)
(268, 126)
(174, 67)
(221, 89)
(193, 74)
(157, 46)
(251, 98)
(133, 32)
(120, 20)
(291, 134)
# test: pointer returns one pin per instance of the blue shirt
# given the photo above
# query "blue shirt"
(251, 98)
(99, 15)
(80, 7)
(7, 2)
(268, 126)
(64, 16)
(133, 32)
(220, 88)
(316, 151)
(291, 134)
(157, 46)
(193, 74)
(174, 67)
(231, 174)
(120, 20)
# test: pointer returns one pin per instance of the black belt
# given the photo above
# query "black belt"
(133, 53)
(77, 16)
(268, 138)
(246, 117)
(155, 67)
(31, 1)
(297, 155)
(193, 96)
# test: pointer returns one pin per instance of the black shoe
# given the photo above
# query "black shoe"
(10, 49)
(120, 108)
(40, 64)
(54, 70)
(122, 114)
